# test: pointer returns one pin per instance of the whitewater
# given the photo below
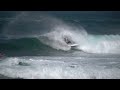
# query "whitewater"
(36, 48)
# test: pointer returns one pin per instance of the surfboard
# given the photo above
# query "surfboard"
(72, 45)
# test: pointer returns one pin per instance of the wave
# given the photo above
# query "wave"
(51, 32)
(102, 44)
(85, 42)
(55, 40)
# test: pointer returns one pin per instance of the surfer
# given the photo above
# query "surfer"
(67, 41)
(70, 43)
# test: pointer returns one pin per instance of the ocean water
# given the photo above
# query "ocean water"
(33, 46)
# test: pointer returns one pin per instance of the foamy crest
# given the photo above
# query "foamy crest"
(55, 38)
(101, 44)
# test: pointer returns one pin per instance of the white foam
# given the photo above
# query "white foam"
(102, 44)
(60, 68)
(55, 38)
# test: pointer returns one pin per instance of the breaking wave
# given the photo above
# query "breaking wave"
(51, 32)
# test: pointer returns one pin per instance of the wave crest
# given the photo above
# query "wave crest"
(56, 38)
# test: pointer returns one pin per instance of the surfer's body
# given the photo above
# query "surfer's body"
(70, 43)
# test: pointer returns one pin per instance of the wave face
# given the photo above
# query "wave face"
(44, 34)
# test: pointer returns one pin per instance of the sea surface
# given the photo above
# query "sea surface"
(33, 46)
